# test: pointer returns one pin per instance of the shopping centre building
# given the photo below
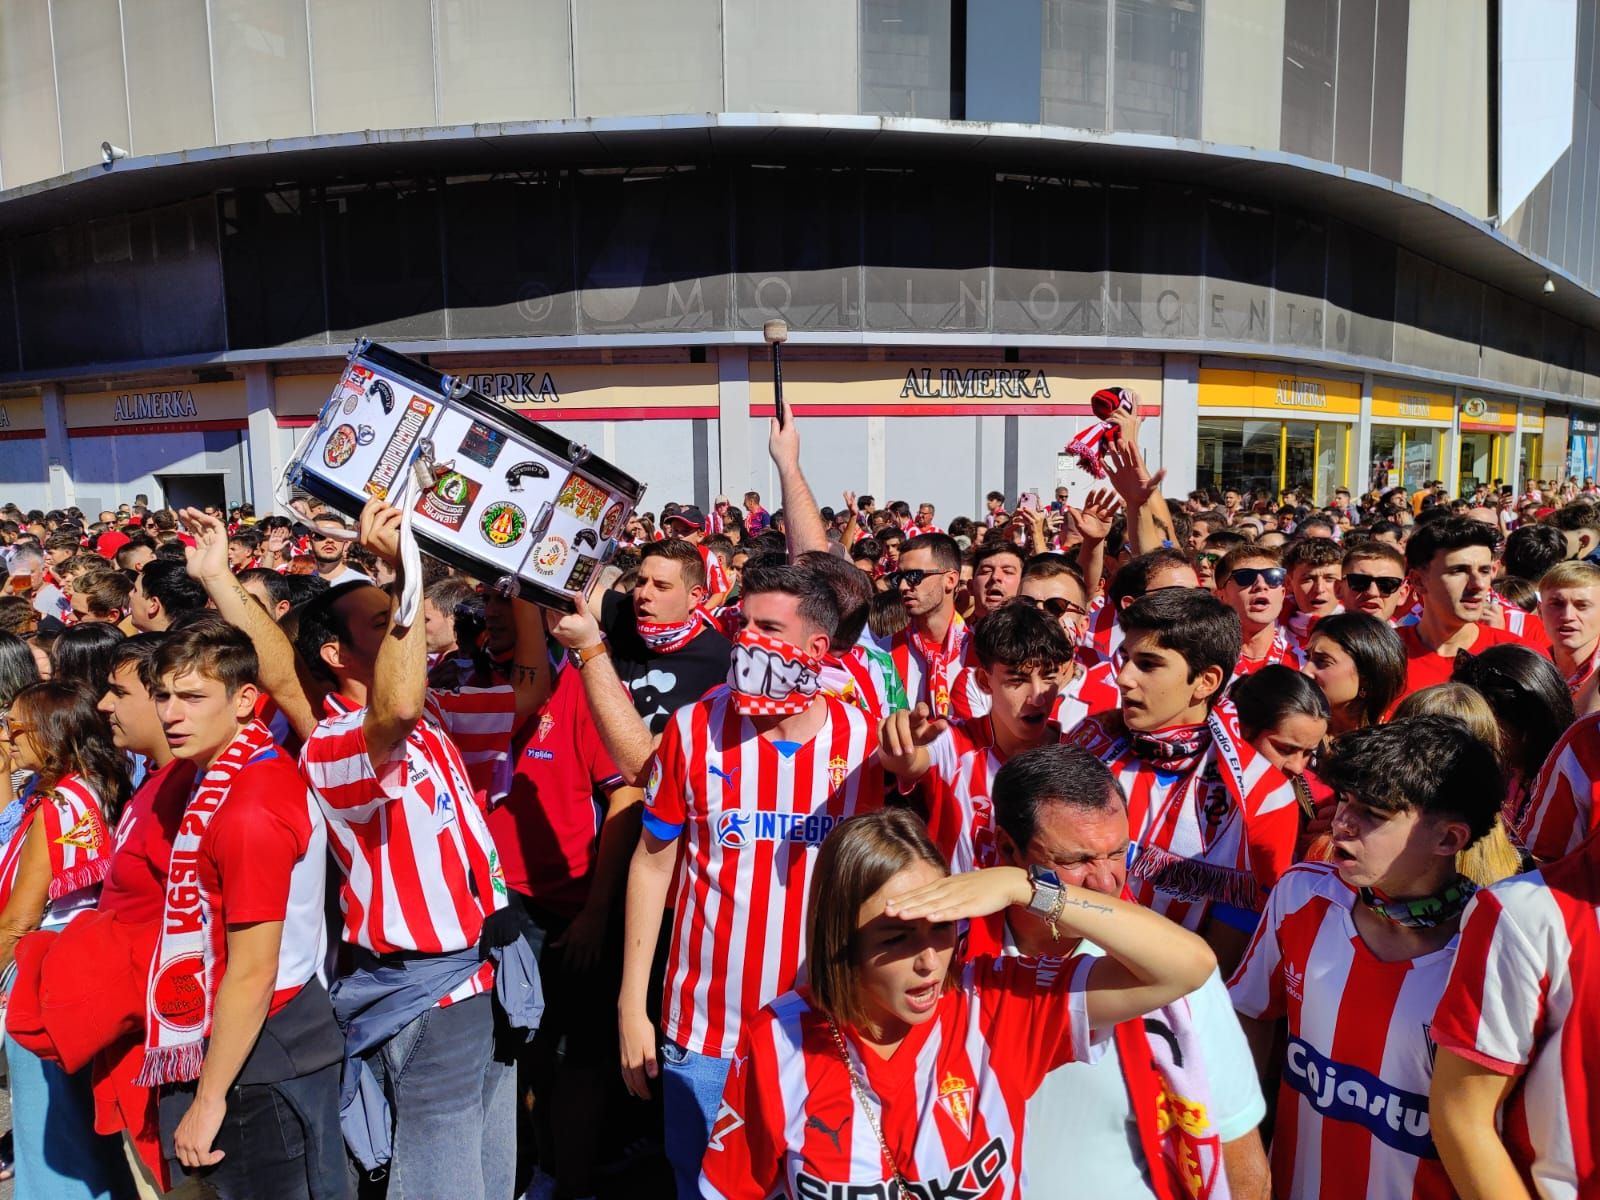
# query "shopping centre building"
(1328, 242)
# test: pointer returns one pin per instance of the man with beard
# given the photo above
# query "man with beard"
(930, 652)
(1451, 567)
(329, 552)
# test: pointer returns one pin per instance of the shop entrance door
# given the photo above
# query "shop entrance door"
(194, 491)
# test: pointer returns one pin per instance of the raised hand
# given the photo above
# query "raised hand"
(576, 630)
(1100, 508)
(208, 557)
(379, 531)
(903, 734)
(783, 441)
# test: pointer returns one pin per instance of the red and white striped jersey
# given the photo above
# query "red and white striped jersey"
(1522, 1001)
(1561, 811)
(420, 868)
(1220, 832)
(1353, 1099)
(1094, 690)
(963, 761)
(856, 678)
(950, 1101)
(1283, 651)
(751, 817)
(1102, 635)
(936, 687)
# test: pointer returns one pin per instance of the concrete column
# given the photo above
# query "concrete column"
(1513, 474)
(733, 423)
(264, 459)
(877, 460)
(57, 447)
(1360, 475)
(1178, 439)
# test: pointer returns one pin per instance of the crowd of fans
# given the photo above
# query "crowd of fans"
(1228, 846)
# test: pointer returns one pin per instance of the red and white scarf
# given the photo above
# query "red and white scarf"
(940, 661)
(771, 678)
(75, 835)
(193, 946)
(668, 637)
(1584, 673)
(1090, 445)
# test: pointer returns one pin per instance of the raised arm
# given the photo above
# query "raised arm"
(1094, 523)
(1149, 521)
(282, 674)
(400, 674)
(802, 519)
(626, 738)
(1150, 961)
(530, 661)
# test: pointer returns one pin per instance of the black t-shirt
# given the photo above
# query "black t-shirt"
(661, 683)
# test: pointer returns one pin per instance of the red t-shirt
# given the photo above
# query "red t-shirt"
(1424, 668)
(264, 853)
(547, 828)
(136, 885)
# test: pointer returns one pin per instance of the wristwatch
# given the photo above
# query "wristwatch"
(1047, 891)
(1049, 894)
(580, 658)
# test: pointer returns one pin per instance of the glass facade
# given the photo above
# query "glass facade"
(1269, 457)
(1405, 456)
(1484, 459)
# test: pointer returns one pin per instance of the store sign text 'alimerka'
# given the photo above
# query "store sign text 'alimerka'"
(176, 405)
(975, 383)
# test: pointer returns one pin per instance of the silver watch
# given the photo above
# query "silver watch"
(1047, 889)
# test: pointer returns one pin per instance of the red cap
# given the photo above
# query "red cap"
(110, 542)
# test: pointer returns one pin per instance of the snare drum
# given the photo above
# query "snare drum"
(510, 500)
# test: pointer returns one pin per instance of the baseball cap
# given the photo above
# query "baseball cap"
(688, 515)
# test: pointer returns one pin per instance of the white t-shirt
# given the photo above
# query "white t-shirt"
(1093, 1139)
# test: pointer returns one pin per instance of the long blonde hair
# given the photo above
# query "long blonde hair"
(1492, 857)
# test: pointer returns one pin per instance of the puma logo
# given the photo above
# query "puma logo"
(815, 1122)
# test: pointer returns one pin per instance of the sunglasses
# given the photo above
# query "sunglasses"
(12, 729)
(909, 578)
(1387, 585)
(1246, 577)
(1056, 606)
(1210, 557)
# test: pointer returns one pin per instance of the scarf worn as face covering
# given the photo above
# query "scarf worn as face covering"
(666, 637)
(771, 678)
(1090, 445)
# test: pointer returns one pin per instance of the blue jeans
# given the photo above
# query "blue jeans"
(58, 1154)
(454, 1100)
(691, 1094)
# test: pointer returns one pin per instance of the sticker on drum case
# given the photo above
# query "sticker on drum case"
(582, 572)
(399, 448)
(503, 524)
(585, 537)
(354, 386)
(549, 554)
(449, 500)
(482, 444)
(609, 522)
(364, 435)
(383, 393)
(581, 498)
(524, 470)
(341, 445)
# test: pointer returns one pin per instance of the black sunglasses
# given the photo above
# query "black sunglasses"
(913, 577)
(1387, 585)
(1246, 577)
(1056, 606)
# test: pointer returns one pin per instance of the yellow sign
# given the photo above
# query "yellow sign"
(1533, 418)
(1410, 404)
(558, 392)
(165, 408)
(944, 388)
(1481, 414)
(1281, 393)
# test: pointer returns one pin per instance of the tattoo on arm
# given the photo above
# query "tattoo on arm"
(1086, 905)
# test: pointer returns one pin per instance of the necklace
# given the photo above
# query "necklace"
(1426, 912)
(866, 1107)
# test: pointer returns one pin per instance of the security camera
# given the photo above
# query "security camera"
(109, 153)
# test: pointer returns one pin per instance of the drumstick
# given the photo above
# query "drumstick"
(777, 333)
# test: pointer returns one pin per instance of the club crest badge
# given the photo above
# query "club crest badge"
(955, 1100)
(503, 524)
